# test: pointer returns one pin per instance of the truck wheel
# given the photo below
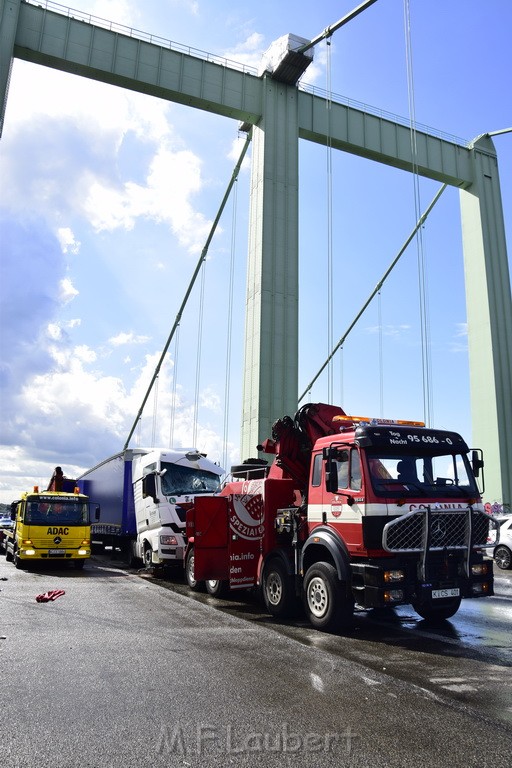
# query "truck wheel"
(278, 590)
(328, 607)
(195, 586)
(217, 588)
(434, 612)
(503, 557)
(8, 555)
(148, 557)
(18, 562)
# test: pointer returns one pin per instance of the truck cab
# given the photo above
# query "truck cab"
(165, 483)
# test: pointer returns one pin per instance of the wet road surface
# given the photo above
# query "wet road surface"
(466, 660)
(128, 670)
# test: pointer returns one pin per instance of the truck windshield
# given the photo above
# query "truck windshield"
(187, 481)
(399, 474)
(56, 512)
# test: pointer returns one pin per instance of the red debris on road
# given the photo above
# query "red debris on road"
(47, 597)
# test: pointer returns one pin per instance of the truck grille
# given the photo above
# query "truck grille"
(436, 530)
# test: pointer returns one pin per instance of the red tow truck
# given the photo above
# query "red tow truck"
(352, 512)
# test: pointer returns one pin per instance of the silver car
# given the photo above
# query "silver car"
(502, 553)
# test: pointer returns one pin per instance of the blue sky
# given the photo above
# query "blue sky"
(107, 198)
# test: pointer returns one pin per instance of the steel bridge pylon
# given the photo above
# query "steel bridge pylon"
(281, 114)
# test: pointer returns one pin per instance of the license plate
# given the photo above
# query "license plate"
(57, 552)
(439, 593)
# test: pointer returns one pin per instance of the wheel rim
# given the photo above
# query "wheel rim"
(274, 588)
(212, 583)
(502, 557)
(147, 557)
(190, 571)
(318, 597)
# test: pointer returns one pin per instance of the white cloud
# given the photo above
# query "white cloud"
(236, 149)
(75, 129)
(318, 67)
(119, 11)
(248, 52)
(460, 342)
(85, 353)
(54, 331)
(210, 400)
(67, 240)
(173, 178)
(389, 330)
(127, 338)
(67, 291)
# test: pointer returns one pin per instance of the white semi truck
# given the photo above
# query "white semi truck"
(144, 494)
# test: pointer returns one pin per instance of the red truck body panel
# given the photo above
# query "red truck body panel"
(232, 531)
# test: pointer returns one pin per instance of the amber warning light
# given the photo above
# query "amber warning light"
(369, 420)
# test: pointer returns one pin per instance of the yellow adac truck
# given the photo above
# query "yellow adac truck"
(50, 526)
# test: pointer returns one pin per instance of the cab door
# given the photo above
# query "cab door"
(344, 507)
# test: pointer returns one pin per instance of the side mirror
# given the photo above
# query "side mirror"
(477, 461)
(97, 513)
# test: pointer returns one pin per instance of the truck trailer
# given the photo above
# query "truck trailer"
(352, 512)
(144, 494)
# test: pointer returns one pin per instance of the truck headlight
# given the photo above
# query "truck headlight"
(479, 569)
(171, 541)
(396, 575)
(393, 595)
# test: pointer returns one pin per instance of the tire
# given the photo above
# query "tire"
(503, 557)
(8, 555)
(217, 588)
(328, 607)
(148, 557)
(434, 612)
(278, 590)
(18, 562)
(195, 586)
(79, 565)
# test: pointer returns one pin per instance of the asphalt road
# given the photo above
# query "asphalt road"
(120, 671)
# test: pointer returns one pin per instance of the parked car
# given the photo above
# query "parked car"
(5, 523)
(502, 553)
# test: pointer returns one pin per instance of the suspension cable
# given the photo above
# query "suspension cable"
(330, 277)
(173, 390)
(227, 388)
(381, 355)
(199, 264)
(155, 411)
(379, 285)
(198, 355)
(426, 362)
